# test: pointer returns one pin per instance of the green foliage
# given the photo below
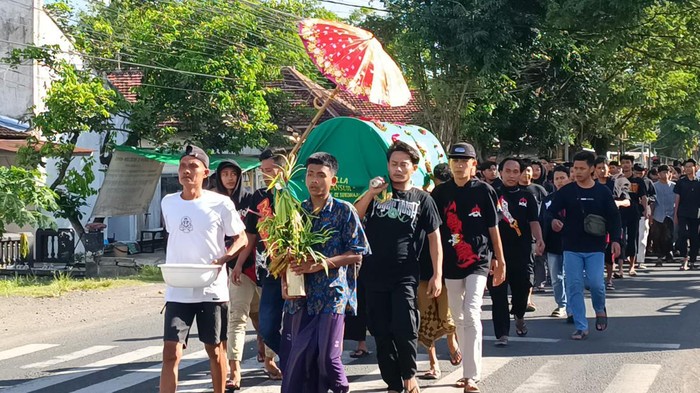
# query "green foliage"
(514, 76)
(24, 199)
(207, 64)
(76, 102)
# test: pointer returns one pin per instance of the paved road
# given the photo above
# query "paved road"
(651, 346)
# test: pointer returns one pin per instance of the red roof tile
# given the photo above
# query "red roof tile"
(6, 133)
(125, 82)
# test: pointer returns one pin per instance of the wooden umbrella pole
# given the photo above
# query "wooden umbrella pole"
(311, 125)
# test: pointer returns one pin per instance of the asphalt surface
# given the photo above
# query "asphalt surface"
(651, 345)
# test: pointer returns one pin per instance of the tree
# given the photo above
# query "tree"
(77, 102)
(24, 199)
(208, 65)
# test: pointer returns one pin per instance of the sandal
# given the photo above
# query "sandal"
(579, 335)
(360, 353)
(470, 386)
(601, 321)
(274, 375)
(431, 374)
(231, 386)
(461, 383)
(520, 327)
(618, 275)
(456, 358)
(632, 273)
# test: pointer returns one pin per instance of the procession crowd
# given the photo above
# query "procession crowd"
(412, 265)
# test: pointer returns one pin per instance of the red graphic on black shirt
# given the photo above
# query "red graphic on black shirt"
(476, 212)
(465, 253)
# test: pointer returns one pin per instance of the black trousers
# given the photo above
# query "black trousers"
(356, 325)
(632, 231)
(519, 280)
(688, 230)
(661, 237)
(393, 320)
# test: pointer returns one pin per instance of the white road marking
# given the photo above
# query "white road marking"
(649, 345)
(373, 380)
(545, 379)
(24, 350)
(68, 375)
(526, 339)
(488, 366)
(71, 356)
(142, 375)
(634, 378)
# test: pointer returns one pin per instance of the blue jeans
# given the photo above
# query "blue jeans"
(555, 263)
(270, 313)
(593, 263)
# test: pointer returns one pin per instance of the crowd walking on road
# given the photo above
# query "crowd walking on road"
(412, 265)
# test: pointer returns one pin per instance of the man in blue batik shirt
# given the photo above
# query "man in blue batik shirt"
(314, 325)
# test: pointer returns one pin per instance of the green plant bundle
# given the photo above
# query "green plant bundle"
(288, 234)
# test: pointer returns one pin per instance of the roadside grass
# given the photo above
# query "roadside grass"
(33, 286)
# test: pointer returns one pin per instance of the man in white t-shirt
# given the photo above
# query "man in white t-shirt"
(197, 221)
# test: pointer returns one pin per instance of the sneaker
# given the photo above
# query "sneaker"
(558, 312)
(502, 341)
(609, 286)
(531, 307)
(570, 319)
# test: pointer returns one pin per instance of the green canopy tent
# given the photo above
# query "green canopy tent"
(360, 147)
(246, 162)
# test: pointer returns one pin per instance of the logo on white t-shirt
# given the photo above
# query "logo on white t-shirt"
(186, 225)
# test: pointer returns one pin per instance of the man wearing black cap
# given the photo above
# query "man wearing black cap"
(467, 208)
(197, 222)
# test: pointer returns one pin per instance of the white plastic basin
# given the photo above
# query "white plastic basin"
(188, 275)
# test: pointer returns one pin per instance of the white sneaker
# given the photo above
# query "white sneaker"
(558, 312)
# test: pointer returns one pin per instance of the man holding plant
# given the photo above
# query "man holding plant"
(315, 324)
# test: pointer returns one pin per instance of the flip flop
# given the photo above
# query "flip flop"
(470, 387)
(431, 374)
(462, 382)
(456, 358)
(360, 353)
(232, 387)
(601, 322)
(633, 274)
(579, 335)
(274, 376)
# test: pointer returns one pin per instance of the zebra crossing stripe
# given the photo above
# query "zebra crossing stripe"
(142, 375)
(543, 380)
(634, 378)
(71, 356)
(488, 366)
(104, 364)
(373, 380)
(24, 350)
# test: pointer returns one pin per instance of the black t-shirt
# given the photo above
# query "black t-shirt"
(261, 206)
(498, 183)
(552, 240)
(396, 231)
(651, 191)
(518, 209)
(638, 189)
(538, 191)
(576, 203)
(689, 201)
(467, 213)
